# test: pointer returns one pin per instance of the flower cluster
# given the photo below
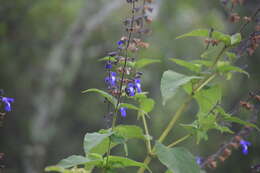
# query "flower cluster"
(122, 78)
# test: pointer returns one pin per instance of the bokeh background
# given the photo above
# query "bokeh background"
(49, 51)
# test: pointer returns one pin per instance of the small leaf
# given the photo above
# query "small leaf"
(196, 33)
(146, 104)
(190, 66)
(231, 56)
(212, 52)
(171, 81)
(145, 61)
(225, 67)
(56, 169)
(236, 38)
(109, 97)
(205, 33)
(107, 58)
(122, 162)
(177, 159)
(129, 106)
(75, 161)
(92, 140)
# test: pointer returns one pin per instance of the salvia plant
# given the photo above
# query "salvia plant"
(124, 92)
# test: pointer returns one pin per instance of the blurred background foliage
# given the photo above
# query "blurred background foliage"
(31, 29)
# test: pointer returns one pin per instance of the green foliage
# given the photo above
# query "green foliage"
(177, 159)
(224, 68)
(93, 140)
(77, 160)
(122, 162)
(170, 83)
(192, 66)
(109, 97)
(145, 61)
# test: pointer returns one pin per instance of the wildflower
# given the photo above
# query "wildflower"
(198, 160)
(138, 85)
(244, 144)
(123, 111)
(108, 65)
(130, 89)
(7, 101)
(120, 44)
(111, 79)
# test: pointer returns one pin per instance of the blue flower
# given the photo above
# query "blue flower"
(7, 101)
(198, 160)
(130, 89)
(123, 111)
(244, 144)
(111, 79)
(120, 42)
(108, 65)
(138, 85)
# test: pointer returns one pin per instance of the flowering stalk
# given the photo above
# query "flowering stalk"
(238, 140)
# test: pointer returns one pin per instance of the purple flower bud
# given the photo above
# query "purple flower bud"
(244, 144)
(120, 42)
(123, 111)
(130, 89)
(7, 101)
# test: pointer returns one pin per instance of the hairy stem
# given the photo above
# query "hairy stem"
(148, 141)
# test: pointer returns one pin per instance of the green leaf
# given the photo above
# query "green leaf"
(212, 52)
(230, 118)
(56, 169)
(190, 66)
(196, 33)
(145, 61)
(107, 58)
(122, 162)
(146, 104)
(129, 106)
(109, 97)
(225, 67)
(236, 38)
(170, 83)
(177, 159)
(76, 160)
(205, 63)
(130, 131)
(205, 33)
(207, 98)
(92, 140)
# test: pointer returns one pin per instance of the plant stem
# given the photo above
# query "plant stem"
(148, 142)
(179, 141)
(174, 119)
(122, 80)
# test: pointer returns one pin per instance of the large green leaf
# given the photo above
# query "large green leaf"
(129, 106)
(189, 65)
(122, 162)
(145, 61)
(109, 97)
(77, 160)
(93, 140)
(177, 159)
(130, 131)
(171, 81)
(207, 98)
(125, 131)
